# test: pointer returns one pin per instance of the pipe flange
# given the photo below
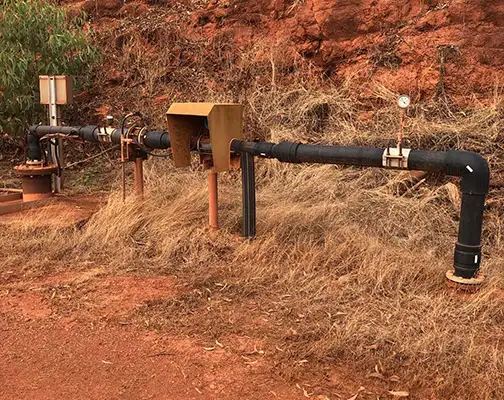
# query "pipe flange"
(32, 170)
(34, 163)
(140, 137)
(467, 284)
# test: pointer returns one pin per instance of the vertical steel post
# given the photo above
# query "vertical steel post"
(57, 157)
(248, 195)
(213, 200)
(139, 181)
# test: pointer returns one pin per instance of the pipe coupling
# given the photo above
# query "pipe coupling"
(466, 260)
(286, 151)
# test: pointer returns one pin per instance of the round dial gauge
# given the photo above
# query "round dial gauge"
(403, 101)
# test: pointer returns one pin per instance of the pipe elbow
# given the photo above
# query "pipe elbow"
(32, 130)
(472, 168)
(33, 143)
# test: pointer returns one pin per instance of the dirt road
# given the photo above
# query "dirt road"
(49, 354)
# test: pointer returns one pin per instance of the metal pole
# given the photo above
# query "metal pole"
(213, 210)
(248, 195)
(57, 157)
(139, 182)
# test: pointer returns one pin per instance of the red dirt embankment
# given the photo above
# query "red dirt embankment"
(418, 47)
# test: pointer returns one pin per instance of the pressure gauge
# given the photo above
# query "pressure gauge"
(403, 101)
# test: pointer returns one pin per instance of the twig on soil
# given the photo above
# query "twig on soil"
(413, 188)
(163, 353)
(92, 157)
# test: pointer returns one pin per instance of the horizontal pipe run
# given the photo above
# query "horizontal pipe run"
(470, 167)
(156, 140)
(152, 140)
(42, 130)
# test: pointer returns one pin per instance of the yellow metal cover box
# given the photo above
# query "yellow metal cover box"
(187, 121)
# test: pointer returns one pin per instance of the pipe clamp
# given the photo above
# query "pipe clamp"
(395, 158)
(105, 135)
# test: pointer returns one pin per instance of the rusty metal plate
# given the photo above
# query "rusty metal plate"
(37, 187)
(19, 205)
(194, 109)
(8, 197)
(225, 123)
(64, 89)
(182, 129)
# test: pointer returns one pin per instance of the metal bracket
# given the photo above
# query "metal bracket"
(104, 134)
(55, 91)
(396, 158)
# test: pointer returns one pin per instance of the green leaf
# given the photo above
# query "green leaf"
(38, 37)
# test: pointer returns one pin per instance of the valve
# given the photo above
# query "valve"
(130, 150)
(398, 157)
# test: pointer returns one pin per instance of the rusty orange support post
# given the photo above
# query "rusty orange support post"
(139, 182)
(213, 200)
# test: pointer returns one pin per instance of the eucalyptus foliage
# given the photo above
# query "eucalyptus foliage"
(37, 37)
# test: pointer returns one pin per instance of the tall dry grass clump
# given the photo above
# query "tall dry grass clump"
(347, 266)
(348, 272)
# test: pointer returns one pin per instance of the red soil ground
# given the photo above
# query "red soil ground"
(98, 353)
(79, 334)
(76, 334)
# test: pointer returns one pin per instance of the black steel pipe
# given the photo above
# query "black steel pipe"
(42, 130)
(471, 167)
(34, 149)
(157, 140)
(91, 133)
(34, 135)
(475, 179)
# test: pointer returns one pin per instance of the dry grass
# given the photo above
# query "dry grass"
(347, 268)
(345, 271)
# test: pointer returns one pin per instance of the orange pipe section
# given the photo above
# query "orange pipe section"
(213, 200)
(139, 182)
